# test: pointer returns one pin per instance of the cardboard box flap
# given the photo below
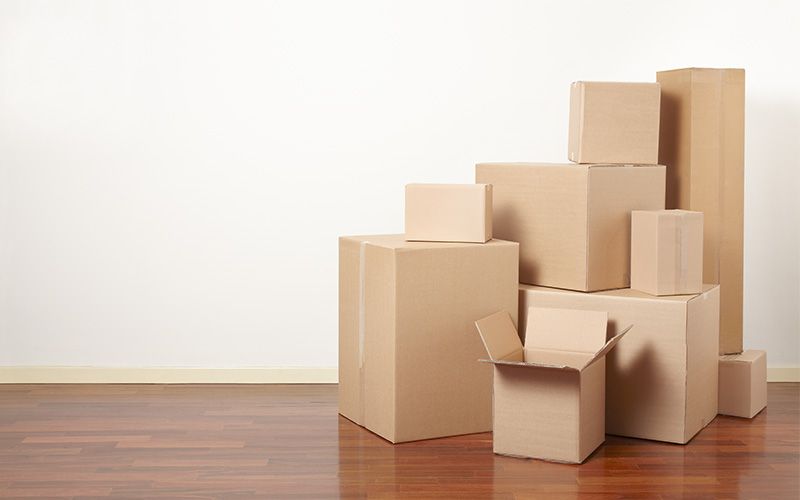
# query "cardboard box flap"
(609, 345)
(500, 337)
(549, 358)
(566, 330)
(555, 366)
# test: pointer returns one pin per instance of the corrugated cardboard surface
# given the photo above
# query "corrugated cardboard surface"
(743, 383)
(659, 381)
(407, 343)
(667, 252)
(572, 221)
(448, 212)
(614, 122)
(702, 144)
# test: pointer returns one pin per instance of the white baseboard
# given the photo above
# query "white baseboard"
(180, 375)
(165, 375)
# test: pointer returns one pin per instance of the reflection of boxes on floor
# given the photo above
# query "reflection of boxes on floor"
(549, 396)
(407, 343)
(449, 212)
(667, 252)
(743, 383)
(661, 383)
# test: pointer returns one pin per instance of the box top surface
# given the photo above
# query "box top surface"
(591, 83)
(626, 293)
(398, 242)
(746, 357)
(668, 213)
(475, 186)
(702, 69)
(574, 166)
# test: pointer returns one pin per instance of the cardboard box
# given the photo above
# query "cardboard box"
(449, 212)
(572, 221)
(661, 383)
(667, 252)
(702, 144)
(549, 396)
(407, 344)
(613, 122)
(743, 384)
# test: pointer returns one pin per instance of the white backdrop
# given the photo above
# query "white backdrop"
(174, 175)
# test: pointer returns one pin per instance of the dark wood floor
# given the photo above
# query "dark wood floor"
(238, 441)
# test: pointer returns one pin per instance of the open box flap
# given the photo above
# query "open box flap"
(500, 337)
(534, 365)
(549, 357)
(609, 345)
(566, 329)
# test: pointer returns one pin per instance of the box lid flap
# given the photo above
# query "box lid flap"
(555, 366)
(608, 345)
(566, 329)
(500, 337)
(567, 359)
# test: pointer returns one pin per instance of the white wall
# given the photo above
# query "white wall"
(174, 175)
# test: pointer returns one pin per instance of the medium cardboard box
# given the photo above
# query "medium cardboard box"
(743, 383)
(549, 397)
(667, 252)
(702, 144)
(614, 122)
(661, 383)
(407, 344)
(572, 222)
(449, 212)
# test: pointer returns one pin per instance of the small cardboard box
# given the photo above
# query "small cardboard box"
(743, 383)
(449, 212)
(407, 343)
(667, 252)
(613, 122)
(549, 397)
(572, 222)
(661, 383)
(702, 144)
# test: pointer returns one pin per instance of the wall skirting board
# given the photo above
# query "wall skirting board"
(180, 375)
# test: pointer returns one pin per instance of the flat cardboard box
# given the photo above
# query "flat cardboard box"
(549, 396)
(661, 383)
(572, 222)
(667, 252)
(449, 212)
(702, 144)
(614, 122)
(743, 383)
(407, 343)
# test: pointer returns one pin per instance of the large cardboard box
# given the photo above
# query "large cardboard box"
(667, 252)
(572, 221)
(743, 383)
(702, 145)
(407, 343)
(549, 397)
(449, 212)
(661, 382)
(614, 122)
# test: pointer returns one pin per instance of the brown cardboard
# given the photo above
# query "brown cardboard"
(661, 383)
(667, 252)
(614, 122)
(449, 212)
(407, 345)
(572, 221)
(702, 144)
(743, 383)
(549, 396)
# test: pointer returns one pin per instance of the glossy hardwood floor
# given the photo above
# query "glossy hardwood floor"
(245, 441)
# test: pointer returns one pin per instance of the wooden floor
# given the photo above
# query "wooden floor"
(229, 441)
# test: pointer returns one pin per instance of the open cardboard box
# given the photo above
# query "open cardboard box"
(549, 396)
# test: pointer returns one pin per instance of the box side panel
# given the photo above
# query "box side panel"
(593, 408)
(378, 382)
(734, 388)
(442, 389)
(536, 413)
(675, 135)
(544, 209)
(613, 193)
(646, 371)
(758, 385)
(644, 252)
(575, 116)
(349, 303)
(702, 361)
(446, 212)
(488, 207)
(691, 278)
(669, 254)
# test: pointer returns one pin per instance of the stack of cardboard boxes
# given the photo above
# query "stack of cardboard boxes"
(584, 252)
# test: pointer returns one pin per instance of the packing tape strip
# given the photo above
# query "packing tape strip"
(362, 319)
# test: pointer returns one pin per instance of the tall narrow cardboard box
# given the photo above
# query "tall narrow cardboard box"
(702, 145)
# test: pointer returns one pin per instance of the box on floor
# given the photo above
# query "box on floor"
(743, 383)
(661, 382)
(407, 342)
(702, 144)
(572, 222)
